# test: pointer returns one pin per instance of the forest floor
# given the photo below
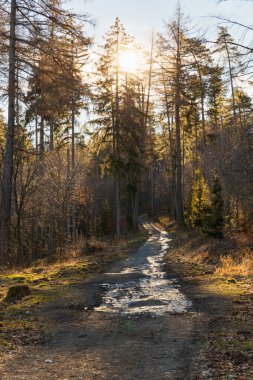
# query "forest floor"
(217, 275)
(89, 319)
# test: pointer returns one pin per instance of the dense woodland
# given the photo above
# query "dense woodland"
(91, 137)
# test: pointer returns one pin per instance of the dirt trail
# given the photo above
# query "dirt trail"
(132, 323)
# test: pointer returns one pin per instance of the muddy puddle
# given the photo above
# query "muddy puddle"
(140, 285)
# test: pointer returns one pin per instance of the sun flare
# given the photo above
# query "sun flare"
(129, 61)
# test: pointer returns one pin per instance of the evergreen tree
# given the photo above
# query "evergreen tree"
(200, 203)
(216, 97)
(174, 54)
(26, 18)
(132, 149)
(234, 65)
(216, 222)
(109, 98)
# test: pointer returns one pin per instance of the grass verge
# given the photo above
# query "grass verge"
(217, 275)
(20, 323)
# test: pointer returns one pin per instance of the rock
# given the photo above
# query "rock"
(48, 361)
(232, 281)
(38, 270)
(82, 335)
(238, 278)
(17, 292)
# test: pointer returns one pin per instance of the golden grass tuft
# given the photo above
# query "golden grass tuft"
(232, 267)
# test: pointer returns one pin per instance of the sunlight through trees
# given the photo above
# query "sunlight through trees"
(94, 139)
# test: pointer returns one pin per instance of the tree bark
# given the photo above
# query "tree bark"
(74, 237)
(179, 197)
(51, 143)
(232, 85)
(42, 144)
(8, 158)
(117, 147)
(172, 151)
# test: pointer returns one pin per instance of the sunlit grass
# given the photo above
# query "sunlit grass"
(51, 281)
(232, 267)
(245, 346)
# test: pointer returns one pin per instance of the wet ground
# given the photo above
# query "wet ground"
(131, 323)
(141, 285)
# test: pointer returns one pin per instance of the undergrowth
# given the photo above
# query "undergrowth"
(231, 256)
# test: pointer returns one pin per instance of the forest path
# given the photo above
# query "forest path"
(131, 323)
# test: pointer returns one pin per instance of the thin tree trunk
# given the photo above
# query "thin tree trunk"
(172, 151)
(68, 206)
(51, 142)
(152, 205)
(152, 191)
(36, 132)
(73, 170)
(136, 212)
(143, 141)
(42, 144)
(179, 198)
(149, 83)
(203, 120)
(117, 147)
(232, 86)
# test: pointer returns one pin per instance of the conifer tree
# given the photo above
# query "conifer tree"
(107, 98)
(200, 203)
(26, 18)
(226, 46)
(215, 97)
(174, 49)
(216, 223)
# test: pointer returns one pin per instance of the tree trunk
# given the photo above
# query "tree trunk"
(74, 237)
(42, 144)
(172, 150)
(152, 191)
(179, 197)
(232, 86)
(8, 159)
(68, 206)
(51, 143)
(117, 147)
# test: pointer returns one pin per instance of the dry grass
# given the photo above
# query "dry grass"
(235, 267)
(75, 265)
(166, 223)
(232, 256)
(50, 281)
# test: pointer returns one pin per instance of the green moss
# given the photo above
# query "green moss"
(231, 281)
(5, 344)
(41, 296)
(17, 278)
(53, 282)
(241, 345)
(247, 346)
(224, 289)
(17, 292)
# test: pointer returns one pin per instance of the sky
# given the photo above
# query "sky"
(141, 17)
